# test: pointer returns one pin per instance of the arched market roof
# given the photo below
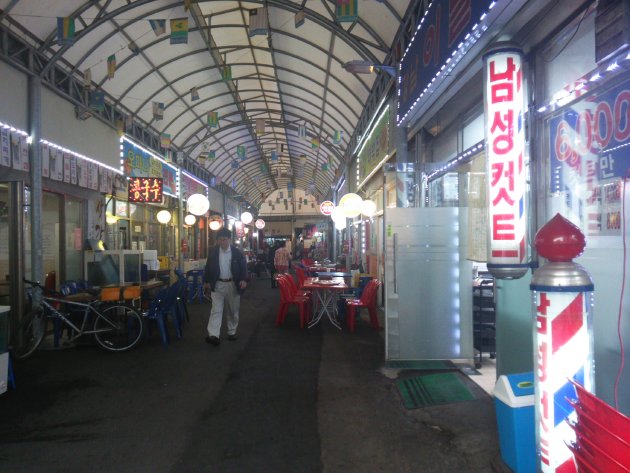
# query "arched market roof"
(289, 77)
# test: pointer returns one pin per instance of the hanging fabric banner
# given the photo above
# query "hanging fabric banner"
(302, 131)
(337, 135)
(165, 140)
(65, 31)
(226, 73)
(158, 27)
(179, 31)
(97, 100)
(347, 11)
(300, 18)
(260, 126)
(133, 47)
(87, 79)
(213, 119)
(258, 22)
(194, 94)
(111, 66)
(158, 110)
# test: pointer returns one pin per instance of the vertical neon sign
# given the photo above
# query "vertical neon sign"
(506, 171)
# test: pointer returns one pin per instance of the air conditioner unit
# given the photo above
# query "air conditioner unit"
(82, 113)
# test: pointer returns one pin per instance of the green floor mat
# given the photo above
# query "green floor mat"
(421, 364)
(432, 389)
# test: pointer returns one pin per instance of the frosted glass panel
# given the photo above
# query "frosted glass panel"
(428, 284)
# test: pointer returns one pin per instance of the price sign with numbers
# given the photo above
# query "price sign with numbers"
(146, 189)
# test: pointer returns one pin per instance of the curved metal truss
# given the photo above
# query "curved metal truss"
(290, 78)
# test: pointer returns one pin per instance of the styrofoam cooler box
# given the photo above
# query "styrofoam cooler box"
(514, 404)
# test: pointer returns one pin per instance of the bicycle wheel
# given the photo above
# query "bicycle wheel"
(31, 332)
(117, 328)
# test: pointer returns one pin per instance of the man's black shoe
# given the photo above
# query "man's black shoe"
(232, 337)
(213, 341)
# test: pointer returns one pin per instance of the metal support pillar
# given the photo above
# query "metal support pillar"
(35, 155)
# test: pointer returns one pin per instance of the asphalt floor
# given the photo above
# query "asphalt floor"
(278, 399)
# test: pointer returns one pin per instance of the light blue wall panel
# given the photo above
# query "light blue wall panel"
(13, 97)
(91, 137)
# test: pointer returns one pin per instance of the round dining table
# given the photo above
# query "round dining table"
(326, 292)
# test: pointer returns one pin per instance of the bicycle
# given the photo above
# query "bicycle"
(116, 327)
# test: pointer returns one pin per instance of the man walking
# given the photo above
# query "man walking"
(226, 276)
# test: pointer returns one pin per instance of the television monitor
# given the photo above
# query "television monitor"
(132, 267)
(103, 273)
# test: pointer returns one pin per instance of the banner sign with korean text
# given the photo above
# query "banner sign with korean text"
(442, 29)
(139, 163)
(505, 150)
(589, 156)
(191, 186)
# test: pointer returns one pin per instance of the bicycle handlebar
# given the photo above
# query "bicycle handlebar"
(45, 291)
(33, 283)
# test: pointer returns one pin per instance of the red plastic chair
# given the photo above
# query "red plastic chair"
(288, 298)
(368, 299)
(50, 283)
(301, 275)
(307, 262)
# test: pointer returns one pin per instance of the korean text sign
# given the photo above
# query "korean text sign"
(442, 29)
(505, 148)
(145, 189)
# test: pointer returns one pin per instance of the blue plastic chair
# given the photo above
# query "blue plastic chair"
(181, 296)
(194, 279)
(11, 376)
(164, 304)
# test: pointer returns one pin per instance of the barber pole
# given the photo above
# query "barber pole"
(562, 306)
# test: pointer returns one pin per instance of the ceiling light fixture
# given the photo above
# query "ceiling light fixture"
(367, 67)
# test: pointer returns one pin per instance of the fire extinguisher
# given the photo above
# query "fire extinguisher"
(184, 245)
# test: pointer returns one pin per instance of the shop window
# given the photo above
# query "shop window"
(74, 238)
(473, 131)
(51, 216)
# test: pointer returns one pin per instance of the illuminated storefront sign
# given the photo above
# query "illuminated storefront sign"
(145, 189)
(588, 145)
(138, 162)
(326, 207)
(239, 229)
(446, 32)
(192, 185)
(506, 175)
